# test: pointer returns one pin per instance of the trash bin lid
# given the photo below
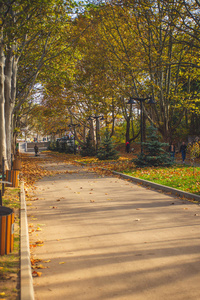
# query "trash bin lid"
(4, 211)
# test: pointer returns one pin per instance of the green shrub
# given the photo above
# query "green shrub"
(106, 150)
(153, 152)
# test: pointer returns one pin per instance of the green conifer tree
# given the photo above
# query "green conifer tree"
(153, 152)
(106, 150)
(87, 149)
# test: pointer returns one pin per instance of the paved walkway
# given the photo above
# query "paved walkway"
(106, 238)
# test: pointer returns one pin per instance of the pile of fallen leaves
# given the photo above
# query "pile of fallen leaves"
(31, 169)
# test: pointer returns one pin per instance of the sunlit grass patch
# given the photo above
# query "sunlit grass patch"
(179, 177)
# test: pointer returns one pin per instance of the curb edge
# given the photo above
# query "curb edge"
(157, 186)
(26, 280)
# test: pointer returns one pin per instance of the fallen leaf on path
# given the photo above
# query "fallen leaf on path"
(41, 267)
(47, 261)
(38, 229)
(92, 201)
(36, 274)
(34, 261)
(39, 242)
(62, 262)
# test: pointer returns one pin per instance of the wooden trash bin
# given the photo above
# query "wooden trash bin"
(17, 165)
(12, 176)
(6, 230)
(15, 178)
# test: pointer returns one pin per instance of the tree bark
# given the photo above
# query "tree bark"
(3, 152)
(10, 72)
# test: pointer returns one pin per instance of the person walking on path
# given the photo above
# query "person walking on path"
(172, 150)
(183, 151)
(36, 150)
(127, 147)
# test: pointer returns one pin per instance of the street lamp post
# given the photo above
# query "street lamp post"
(97, 127)
(141, 100)
(74, 126)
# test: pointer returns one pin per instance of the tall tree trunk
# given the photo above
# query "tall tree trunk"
(97, 133)
(3, 152)
(10, 72)
(8, 103)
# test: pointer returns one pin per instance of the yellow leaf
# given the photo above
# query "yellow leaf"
(2, 294)
(41, 267)
(46, 261)
(61, 263)
(39, 242)
(38, 229)
(36, 274)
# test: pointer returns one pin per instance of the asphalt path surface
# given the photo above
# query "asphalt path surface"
(104, 238)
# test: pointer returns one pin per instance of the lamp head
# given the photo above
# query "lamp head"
(131, 101)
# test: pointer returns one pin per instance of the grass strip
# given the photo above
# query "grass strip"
(9, 264)
(183, 178)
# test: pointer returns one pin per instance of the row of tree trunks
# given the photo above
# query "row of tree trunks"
(8, 74)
